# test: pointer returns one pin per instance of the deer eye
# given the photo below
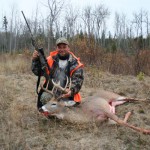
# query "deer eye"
(53, 105)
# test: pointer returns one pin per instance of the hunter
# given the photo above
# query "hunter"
(63, 64)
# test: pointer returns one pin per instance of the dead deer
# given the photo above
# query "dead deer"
(97, 108)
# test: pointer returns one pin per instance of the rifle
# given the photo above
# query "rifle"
(42, 58)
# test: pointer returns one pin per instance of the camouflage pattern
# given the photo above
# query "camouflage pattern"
(62, 40)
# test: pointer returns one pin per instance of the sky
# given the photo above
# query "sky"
(127, 7)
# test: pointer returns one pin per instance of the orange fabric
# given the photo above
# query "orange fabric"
(77, 97)
(50, 60)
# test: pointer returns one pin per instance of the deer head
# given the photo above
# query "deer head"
(55, 105)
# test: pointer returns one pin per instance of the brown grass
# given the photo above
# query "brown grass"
(15, 63)
(21, 126)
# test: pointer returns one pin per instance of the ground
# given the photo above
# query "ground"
(23, 128)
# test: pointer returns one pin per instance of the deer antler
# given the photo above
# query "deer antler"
(57, 85)
(46, 90)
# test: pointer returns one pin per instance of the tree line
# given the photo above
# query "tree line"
(87, 30)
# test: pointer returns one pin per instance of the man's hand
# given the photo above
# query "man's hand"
(68, 94)
(35, 55)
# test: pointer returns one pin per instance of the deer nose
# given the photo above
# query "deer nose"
(43, 109)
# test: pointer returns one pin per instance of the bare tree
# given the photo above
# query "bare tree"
(88, 19)
(35, 23)
(16, 31)
(138, 21)
(147, 22)
(55, 7)
(100, 13)
(11, 29)
(117, 24)
(70, 20)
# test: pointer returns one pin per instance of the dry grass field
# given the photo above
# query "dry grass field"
(23, 128)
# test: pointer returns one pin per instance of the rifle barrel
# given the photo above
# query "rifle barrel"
(27, 24)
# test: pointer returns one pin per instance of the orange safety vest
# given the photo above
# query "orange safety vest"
(50, 61)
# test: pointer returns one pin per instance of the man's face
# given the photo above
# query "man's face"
(63, 49)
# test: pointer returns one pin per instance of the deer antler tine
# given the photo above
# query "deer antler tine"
(46, 90)
(54, 82)
(47, 85)
(66, 84)
(70, 84)
(57, 85)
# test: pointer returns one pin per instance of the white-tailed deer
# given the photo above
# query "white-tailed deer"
(95, 108)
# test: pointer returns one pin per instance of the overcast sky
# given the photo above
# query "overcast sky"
(127, 7)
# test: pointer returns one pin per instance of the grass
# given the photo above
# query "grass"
(15, 63)
(21, 126)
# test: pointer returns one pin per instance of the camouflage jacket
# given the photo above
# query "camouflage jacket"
(77, 76)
